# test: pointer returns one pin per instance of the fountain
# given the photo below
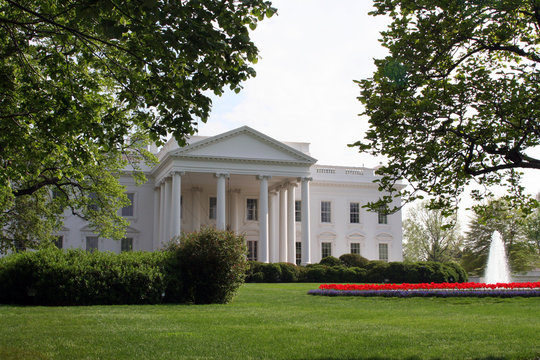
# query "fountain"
(497, 270)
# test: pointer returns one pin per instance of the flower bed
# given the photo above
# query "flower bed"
(529, 289)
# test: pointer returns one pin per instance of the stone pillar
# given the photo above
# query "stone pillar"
(155, 240)
(291, 224)
(263, 218)
(196, 208)
(161, 237)
(283, 224)
(235, 216)
(176, 204)
(306, 241)
(167, 213)
(272, 243)
(220, 217)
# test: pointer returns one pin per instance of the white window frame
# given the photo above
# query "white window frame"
(328, 245)
(131, 206)
(326, 212)
(212, 210)
(92, 238)
(252, 214)
(382, 217)
(356, 213)
(381, 252)
(298, 210)
(253, 247)
(356, 244)
(122, 243)
(298, 252)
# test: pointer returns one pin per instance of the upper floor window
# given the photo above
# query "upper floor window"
(128, 210)
(127, 244)
(383, 252)
(382, 214)
(298, 210)
(326, 211)
(212, 208)
(354, 213)
(251, 209)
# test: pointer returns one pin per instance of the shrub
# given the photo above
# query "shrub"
(289, 272)
(212, 263)
(330, 261)
(271, 273)
(353, 260)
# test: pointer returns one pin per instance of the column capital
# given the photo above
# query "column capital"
(290, 185)
(222, 174)
(305, 178)
(177, 172)
(262, 177)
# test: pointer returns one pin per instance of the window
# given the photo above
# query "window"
(251, 210)
(59, 242)
(93, 202)
(91, 243)
(212, 208)
(326, 249)
(354, 213)
(252, 250)
(298, 211)
(383, 216)
(383, 252)
(355, 248)
(326, 212)
(127, 244)
(128, 210)
(298, 253)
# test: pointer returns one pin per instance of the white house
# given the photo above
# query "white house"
(288, 207)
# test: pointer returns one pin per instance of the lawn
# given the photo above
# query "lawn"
(279, 321)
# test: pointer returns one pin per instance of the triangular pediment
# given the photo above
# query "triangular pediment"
(244, 144)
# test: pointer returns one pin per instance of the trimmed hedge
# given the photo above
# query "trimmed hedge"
(205, 267)
(373, 272)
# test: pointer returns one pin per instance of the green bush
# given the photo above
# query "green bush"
(289, 272)
(354, 260)
(212, 263)
(330, 261)
(76, 277)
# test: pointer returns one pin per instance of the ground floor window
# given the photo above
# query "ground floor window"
(91, 243)
(383, 252)
(59, 242)
(212, 208)
(355, 248)
(298, 253)
(326, 249)
(127, 244)
(252, 250)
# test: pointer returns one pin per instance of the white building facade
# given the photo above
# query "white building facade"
(288, 208)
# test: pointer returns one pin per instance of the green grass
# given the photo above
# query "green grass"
(278, 321)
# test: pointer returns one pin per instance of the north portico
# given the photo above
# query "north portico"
(288, 207)
(237, 180)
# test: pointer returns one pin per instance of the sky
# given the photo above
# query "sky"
(310, 53)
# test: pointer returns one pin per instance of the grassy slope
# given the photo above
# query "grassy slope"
(278, 321)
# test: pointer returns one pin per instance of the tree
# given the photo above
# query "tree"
(430, 236)
(85, 85)
(498, 215)
(458, 97)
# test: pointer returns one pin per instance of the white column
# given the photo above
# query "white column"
(176, 211)
(155, 240)
(161, 236)
(167, 213)
(235, 217)
(196, 208)
(291, 224)
(306, 248)
(220, 217)
(283, 224)
(263, 219)
(272, 243)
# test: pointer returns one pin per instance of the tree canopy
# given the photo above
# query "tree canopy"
(430, 236)
(84, 85)
(458, 97)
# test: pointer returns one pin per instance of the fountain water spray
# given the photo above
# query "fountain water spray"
(497, 270)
